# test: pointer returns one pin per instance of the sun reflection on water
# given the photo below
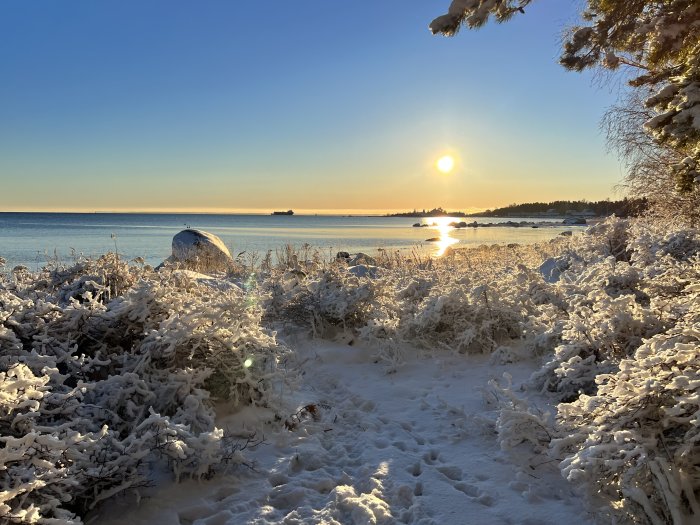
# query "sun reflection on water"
(442, 225)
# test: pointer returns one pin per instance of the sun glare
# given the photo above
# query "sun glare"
(443, 227)
(445, 164)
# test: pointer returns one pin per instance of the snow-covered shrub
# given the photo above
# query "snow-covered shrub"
(600, 331)
(103, 278)
(338, 297)
(326, 298)
(463, 319)
(613, 303)
(634, 443)
(102, 375)
(518, 422)
(609, 238)
(470, 301)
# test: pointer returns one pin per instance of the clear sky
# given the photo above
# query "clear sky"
(218, 105)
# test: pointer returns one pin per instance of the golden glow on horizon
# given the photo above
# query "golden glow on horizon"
(242, 211)
(445, 164)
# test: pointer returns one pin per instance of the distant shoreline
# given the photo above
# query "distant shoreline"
(544, 210)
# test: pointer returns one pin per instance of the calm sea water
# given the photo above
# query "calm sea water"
(33, 238)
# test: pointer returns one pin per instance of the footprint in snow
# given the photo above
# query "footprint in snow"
(381, 443)
(473, 492)
(404, 496)
(418, 489)
(415, 470)
(451, 473)
(431, 457)
(400, 445)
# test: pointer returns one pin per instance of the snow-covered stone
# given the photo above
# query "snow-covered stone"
(363, 270)
(200, 250)
(552, 268)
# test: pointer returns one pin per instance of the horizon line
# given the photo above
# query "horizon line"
(236, 211)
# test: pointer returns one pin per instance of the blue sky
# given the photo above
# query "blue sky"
(231, 106)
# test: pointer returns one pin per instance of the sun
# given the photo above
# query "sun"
(445, 164)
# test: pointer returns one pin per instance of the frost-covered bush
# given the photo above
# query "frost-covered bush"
(608, 238)
(463, 319)
(338, 297)
(103, 278)
(624, 284)
(599, 331)
(323, 298)
(105, 369)
(474, 304)
(634, 443)
(518, 422)
(59, 458)
(463, 302)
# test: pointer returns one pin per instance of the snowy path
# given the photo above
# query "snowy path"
(410, 447)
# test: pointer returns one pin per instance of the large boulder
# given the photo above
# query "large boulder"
(200, 250)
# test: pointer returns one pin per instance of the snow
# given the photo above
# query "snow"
(552, 268)
(302, 392)
(363, 270)
(418, 445)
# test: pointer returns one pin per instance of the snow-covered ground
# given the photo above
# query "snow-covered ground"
(416, 445)
(507, 384)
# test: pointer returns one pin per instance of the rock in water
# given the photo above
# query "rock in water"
(574, 221)
(200, 250)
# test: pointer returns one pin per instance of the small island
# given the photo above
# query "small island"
(435, 212)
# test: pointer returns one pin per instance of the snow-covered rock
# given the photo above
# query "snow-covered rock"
(552, 268)
(200, 250)
(363, 270)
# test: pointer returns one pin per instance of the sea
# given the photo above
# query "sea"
(35, 239)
